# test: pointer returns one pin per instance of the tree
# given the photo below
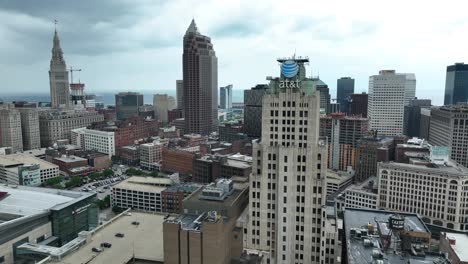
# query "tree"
(74, 181)
(54, 181)
(117, 209)
(107, 173)
(153, 174)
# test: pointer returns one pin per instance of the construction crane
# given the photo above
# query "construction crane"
(71, 72)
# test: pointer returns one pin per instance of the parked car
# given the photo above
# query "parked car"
(106, 245)
(96, 249)
(119, 235)
(135, 223)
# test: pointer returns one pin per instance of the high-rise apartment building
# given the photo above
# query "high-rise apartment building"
(10, 128)
(412, 117)
(288, 180)
(127, 104)
(180, 94)
(358, 104)
(225, 97)
(449, 128)
(200, 71)
(389, 93)
(56, 125)
(30, 128)
(344, 88)
(343, 133)
(163, 103)
(253, 110)
(370, 151)
(58, 77)
(456, 84)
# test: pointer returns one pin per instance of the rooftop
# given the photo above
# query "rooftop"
(24, 201)
(450, 168)
(139, 240)
(145, 184)
(68, 159)
(194, 221)
(461, 245)
(23, 158)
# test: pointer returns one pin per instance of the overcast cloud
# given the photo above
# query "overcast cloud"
(137, 44)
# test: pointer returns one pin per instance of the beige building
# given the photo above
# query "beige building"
(47, 170)
(288, 180)
(58, 77)
(30, 128)
(163, 103)
(10, 128)
(90, 139)
(151, 155)
(55, 125)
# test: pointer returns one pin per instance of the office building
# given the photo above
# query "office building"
(454, 245)
(173, 197)
(288, 179)
(180, 94)
(324, 95)
(146, 111)
(425, 123)
(140, 193)
(344, 88)
(456, 84)
(225, 97)
(72, 165)
(334, 106)
(253, 110)
(57, 125)
(389, 93)
(230, 132)
(447, 128)
(174, 114)
(151, 155)
(412, 118)
(90, 139)
(370, 151)
(362, 195)
(42, 216)
(432, 186)
(414, 147)
(379, 236)
(338, 180)
(209, 168)
(178, 160)
(162, 104)
(58, 77)
(127, 104)
(10, 129)
(200, 71)
(12, 163)
(30, 128)
(343, 133)
(358, 104)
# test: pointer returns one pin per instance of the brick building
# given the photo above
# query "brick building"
(212, 167)
(173, 196)
(177, 160)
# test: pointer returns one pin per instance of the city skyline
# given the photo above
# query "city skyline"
(360, 44)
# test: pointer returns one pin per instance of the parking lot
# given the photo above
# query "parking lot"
(101, 187)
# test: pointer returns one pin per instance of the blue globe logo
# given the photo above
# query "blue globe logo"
(289, 69)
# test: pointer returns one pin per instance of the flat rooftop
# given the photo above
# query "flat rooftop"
(230, 199)
(23, 158)
(68, 159)
(145, 184)
(24, 201)
(461, 245)
(360, 254)
(144, 240)
(449, 168)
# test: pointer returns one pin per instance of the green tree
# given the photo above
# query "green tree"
(117, 209)
(74, 181)
(153, 174)
(107, 173)
(54, 181)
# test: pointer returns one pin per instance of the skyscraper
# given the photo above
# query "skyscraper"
(253, 110)
(389, 93)
(180, 94)
(163, 103)
(456, 84)
(225, 97)
(127, 104)
(358, 104)
(412, 118)
(324, 95)
(200, 71)
(288, 183)
(30, 128)
(58, 77)
(344, 88)
(10, 128)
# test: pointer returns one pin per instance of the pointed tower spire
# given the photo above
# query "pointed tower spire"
(57, 53)
(192, 28)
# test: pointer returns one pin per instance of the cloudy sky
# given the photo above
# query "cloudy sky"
(137, 44)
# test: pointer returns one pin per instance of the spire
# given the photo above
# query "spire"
(57, 53)
(192, 28)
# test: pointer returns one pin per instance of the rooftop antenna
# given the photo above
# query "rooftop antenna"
(55, 24)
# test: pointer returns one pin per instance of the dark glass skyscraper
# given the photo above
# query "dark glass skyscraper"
(200, 72)
(456, 84)
(344, 88)
(253, 110)
(412, 117)
(127, 104)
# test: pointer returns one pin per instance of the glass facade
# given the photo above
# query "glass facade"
(456, 84)
(69, 221)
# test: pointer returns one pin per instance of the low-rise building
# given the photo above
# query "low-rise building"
(90, 139)
(362, 195)
(41, 216)
(172, 197)
(73, 165)
(212, 167)
(130, 155)
(140, 193)
(338, 180)
(21, 168)
(169, 132)
(177, 160)
(455, 246)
